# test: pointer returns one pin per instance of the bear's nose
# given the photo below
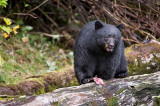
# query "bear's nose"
(111, 46)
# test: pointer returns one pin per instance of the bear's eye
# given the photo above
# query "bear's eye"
(114, 37)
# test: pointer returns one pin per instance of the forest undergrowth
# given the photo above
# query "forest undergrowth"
(31, 56)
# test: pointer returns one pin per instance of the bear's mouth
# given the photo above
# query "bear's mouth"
(109, 48)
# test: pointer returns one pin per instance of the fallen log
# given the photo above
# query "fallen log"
(41, 84)
(134, 90)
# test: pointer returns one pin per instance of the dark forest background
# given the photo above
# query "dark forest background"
(140, 17)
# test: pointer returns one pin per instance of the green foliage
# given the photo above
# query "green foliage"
(70, 55)
(6, 29)
(37, 56)
(25, 29)
(25, 4)
(3, 3)
(52, 66)
(25, 33)
(1, 61)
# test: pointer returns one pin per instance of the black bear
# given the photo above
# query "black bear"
(99, 51)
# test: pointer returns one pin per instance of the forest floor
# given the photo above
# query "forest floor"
(30, 56)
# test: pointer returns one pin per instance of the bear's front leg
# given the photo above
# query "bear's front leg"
(83, 76)
(122, 70)
(106, 74)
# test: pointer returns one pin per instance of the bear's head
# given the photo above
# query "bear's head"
(107, 35)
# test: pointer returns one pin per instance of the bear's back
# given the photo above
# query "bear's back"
(85, 34)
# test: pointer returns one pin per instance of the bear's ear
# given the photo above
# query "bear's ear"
(98, 25)
(120, 26)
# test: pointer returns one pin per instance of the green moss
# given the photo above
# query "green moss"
(119, 91)
(1, 99)
(40, 91)
(112, 101)
(74, 82)
(3, 84)
(140, 60)
(56, 104)
(138, 67)
(128, 50)
(7, 97)
(157, 101)
(52, 87)
(39, 80)
(21, 99)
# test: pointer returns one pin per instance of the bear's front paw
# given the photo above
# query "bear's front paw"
(121, 75)
(86, 80)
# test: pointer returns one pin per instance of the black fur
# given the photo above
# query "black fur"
(93, 55)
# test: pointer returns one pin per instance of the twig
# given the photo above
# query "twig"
(49, 18)
(143, 32)
(38, 6)
(25, 14)
(45, 34)
(131, 40)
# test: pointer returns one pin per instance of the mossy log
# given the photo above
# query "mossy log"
(40, 84)
(143, 58)
(138, 90)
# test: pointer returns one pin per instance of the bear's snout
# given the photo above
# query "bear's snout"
(109, 48)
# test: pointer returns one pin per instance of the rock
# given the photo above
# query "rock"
(131, 91)
(143, 58)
